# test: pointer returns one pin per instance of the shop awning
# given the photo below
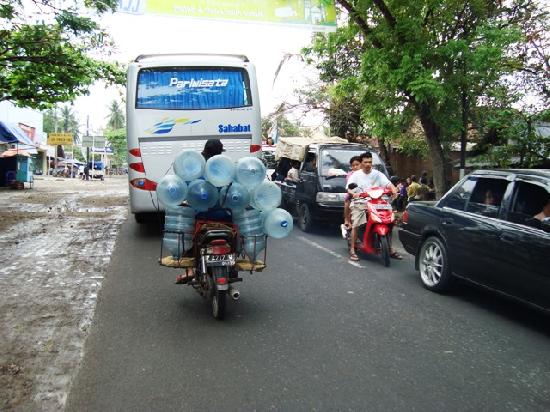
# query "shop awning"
(10, 133)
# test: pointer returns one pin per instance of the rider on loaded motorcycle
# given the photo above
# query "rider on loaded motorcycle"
(363, 179)
(212, 148)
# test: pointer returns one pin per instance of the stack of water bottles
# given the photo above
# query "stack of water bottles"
(219, 182)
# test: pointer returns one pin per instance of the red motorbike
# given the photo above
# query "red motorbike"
(373, 237)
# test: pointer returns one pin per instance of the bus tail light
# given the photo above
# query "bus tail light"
(135, 152)
(255, 148)
(144, 184)
(138, 167)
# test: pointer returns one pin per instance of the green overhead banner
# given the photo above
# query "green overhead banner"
(319, 15)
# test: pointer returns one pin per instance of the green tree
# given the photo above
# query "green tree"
(285, 126)
(61, 119)
(434, 60)
(117, 140)
(48, 61)
(116, 119)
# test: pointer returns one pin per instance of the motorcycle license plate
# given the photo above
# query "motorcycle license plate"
(383, 207)
(220, 260)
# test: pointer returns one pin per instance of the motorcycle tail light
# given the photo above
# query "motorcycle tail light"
(221, 250)
(221, 281)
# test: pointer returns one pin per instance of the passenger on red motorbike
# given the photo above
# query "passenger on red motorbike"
(363, 179)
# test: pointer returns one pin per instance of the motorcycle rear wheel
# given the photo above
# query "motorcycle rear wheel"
(218, 298)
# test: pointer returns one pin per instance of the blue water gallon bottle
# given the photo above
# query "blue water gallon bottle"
(254, 246)
(202, 195)
(171, 190)
(267, 196)
(179, 219)
(189, 165)
(174, 242)
(235, 197)
(278, 223)
(250, 226)
(220, 170)
(250, 171)
(249, 222)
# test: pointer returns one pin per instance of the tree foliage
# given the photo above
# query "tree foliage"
(117, 140)
(434, 60)
(115, 118)
(43, 62)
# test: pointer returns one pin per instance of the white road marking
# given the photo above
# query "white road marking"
(330, 252)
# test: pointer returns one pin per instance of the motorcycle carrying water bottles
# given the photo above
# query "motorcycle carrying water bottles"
(218, 214)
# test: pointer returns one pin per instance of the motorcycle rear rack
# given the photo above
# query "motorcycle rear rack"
(243, 263)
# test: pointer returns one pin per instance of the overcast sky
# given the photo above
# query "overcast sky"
(265, 46)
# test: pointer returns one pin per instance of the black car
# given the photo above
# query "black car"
(319, 194)
(484, 231)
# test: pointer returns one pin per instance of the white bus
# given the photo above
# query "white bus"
(179, 101)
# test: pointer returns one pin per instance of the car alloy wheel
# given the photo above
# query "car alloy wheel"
(434, 268)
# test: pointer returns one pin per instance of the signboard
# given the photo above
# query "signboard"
(106, 150)
(89, 141)
(55, 139)
(320, 15)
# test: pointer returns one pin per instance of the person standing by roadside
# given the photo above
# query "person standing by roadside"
(412, 190)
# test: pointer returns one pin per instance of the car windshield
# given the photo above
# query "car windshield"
(335, 162)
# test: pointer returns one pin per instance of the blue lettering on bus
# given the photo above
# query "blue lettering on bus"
(229, 128)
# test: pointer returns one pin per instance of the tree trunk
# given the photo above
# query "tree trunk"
(433, 138)
(383, 150)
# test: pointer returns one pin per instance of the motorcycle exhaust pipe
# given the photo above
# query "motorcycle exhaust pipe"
(234, 293)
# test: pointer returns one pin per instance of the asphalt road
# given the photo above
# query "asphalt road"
(312, 332)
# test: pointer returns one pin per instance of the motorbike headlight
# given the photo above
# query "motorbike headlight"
(323, 197)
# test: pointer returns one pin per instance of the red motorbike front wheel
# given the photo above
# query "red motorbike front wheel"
(385, 250)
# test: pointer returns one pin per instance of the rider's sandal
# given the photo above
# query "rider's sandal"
(395, 255)
(185, 278)
(353, 256)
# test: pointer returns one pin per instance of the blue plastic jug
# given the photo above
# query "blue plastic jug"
(171, 190)
(189, 165)
(249, 222)
(254, 246)
(267, 196)
(177, 244)
(202, 195)
(180, 219)
(235, 197)
(250, 225)
(219, 170)
(278, 223)
(250, 171)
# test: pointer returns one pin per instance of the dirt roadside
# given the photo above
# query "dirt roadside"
(55, 244)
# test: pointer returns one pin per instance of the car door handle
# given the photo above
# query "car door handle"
(508, 238)
(447, 221)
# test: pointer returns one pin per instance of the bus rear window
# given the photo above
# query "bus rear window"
(193, 89)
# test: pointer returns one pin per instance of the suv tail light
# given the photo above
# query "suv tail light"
(405, 217)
